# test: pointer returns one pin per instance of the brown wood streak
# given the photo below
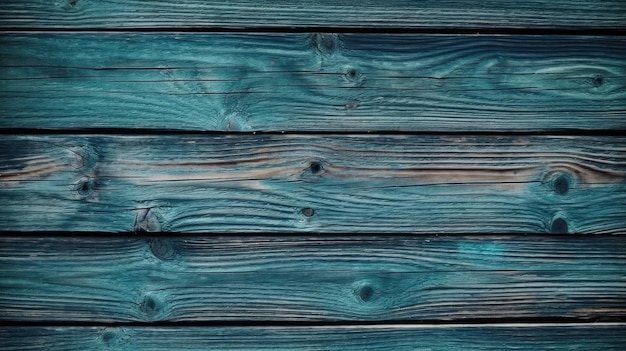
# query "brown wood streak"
(31, 173)
(510, 72)
(368, 183)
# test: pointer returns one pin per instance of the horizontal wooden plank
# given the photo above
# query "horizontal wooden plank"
(313, 183)
(72, 14)
(599, 336)
(312, 82)
(216, 279)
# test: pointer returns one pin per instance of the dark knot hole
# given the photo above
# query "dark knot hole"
(365, 293)
(561, 185)
(559, 225)
(316, 167)
(597, 81)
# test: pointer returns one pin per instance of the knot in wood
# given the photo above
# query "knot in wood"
(85, 186)
(561, 185)
(150, 306)
(597, 80)
(559, 225)
(325, 43)
(308, 212)
(365, 293)
(108, 336)
(146, 220)
(162, 249)
(315, 167)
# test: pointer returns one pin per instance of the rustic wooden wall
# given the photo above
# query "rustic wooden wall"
(312, 175)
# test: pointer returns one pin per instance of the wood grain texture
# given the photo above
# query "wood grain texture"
(219, 278)
(312, 82)
(599, 336)
(313, 183)
(489, 14)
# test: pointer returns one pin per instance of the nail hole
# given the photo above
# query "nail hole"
(308, 212)
(559, 225)
(316, 167)
(561, 185)
(365, 293)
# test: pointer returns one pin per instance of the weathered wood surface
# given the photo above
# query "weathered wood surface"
(155, 67)
(311, 82)
(370, 14)
(313, 183)
(219, 278)
(575, 337)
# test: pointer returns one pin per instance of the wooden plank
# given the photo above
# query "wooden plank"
(598, 336)
(313, 183)
(370, 14)
(216, 279)
(312, 82)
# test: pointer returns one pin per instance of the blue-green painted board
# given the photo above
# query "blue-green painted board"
(304, 278)
(313, 183)
(539, 337)
(370, 14)
(312, 82)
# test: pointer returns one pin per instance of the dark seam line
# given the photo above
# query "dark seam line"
(332, 29)
(263, 323)
(155, 131)
(282, 235)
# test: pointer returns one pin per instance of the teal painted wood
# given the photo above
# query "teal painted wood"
(402, 14)
(597, 336)
(313, 183)
(219, 278)
(312, 82)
